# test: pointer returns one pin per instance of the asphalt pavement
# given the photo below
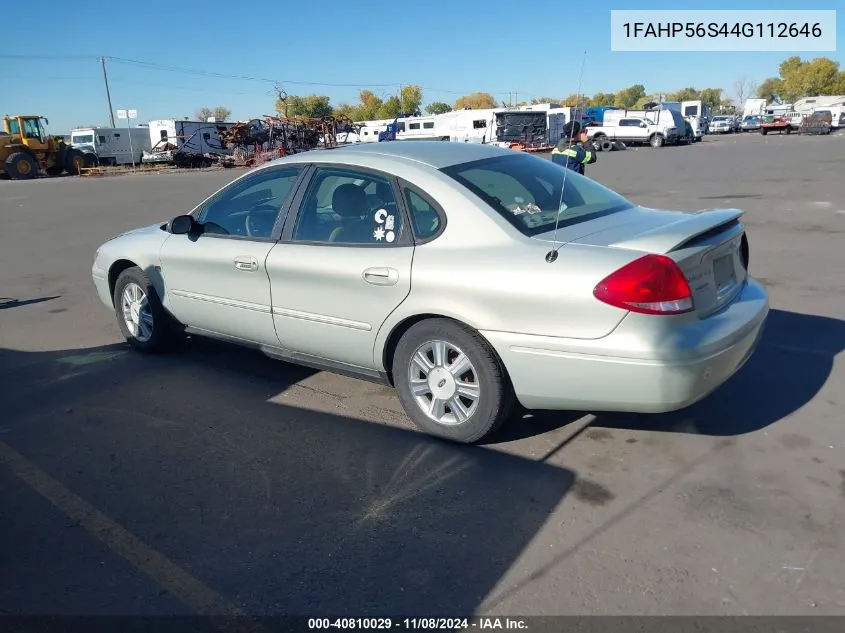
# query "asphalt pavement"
(215, 480)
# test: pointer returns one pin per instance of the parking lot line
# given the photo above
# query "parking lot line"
(182, 585)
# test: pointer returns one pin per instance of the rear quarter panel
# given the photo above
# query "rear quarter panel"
(483, 272)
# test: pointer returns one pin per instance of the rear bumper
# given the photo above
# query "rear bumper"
(624, 372)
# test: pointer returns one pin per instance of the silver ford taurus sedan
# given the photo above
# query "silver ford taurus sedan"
(469, 277)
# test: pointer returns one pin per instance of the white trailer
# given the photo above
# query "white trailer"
(754, 107)
(420, 128)
(113, 145)
(696, 108)
(194, 137)
(479, 126)
(808, 105)
(466, 126)
(557, 116)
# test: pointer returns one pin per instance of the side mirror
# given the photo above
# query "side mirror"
(183, 224)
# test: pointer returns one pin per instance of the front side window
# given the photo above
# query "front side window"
(31, 128)
(526, 191)
(249, 207)
(344, 206)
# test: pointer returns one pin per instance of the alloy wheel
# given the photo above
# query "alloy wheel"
(444, 383)
(136, 312)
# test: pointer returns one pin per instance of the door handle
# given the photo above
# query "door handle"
(381, 276)
(247, 264)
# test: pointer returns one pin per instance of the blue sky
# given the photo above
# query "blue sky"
(529, 47)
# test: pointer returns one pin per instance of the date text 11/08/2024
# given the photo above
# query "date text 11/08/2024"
(430, 624)
(713, 29)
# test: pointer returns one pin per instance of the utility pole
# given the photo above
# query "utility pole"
(108, 94)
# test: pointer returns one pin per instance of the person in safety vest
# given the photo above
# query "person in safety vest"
(573, 151)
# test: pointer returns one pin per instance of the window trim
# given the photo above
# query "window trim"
(404, 186)
(284, 209)
(297, 207)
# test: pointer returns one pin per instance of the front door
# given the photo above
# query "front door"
(218, 281)
(35, 137)
(343, 266)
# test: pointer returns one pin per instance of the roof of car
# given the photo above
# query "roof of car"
(436, 154)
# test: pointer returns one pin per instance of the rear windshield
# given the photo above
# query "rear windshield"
(525, 190)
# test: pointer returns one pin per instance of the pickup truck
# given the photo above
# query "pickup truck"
(632, 130)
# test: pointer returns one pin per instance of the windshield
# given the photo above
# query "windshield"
(525, 190)
(83, 139)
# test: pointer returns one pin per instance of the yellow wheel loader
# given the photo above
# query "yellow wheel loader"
(26, 149)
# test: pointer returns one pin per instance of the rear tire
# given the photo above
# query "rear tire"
(21, 166)
(440, 364)
(606, 145)
(142, 320)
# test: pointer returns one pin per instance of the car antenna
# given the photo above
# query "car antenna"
(552, 254)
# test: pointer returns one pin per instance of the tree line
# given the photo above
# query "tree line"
(796, 78)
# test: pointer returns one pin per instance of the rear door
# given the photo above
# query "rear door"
(343, 265)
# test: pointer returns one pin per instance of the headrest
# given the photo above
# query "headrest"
(349, 201)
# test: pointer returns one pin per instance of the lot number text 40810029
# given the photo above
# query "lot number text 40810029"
(431, 624)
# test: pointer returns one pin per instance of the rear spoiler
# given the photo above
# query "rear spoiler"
(670, 236)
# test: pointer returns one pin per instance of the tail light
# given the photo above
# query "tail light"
(653, 284)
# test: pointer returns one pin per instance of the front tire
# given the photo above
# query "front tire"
(21, 166)
(656, 140)
(143, 321)
(76, 160)
(450, 381)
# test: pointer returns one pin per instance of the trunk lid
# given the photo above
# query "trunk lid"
(709, 246)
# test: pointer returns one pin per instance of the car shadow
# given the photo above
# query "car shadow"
(210, 458)
(6, 302)
(790, 366)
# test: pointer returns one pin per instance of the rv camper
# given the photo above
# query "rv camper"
(189, 138)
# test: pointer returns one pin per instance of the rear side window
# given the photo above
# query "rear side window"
(526, 191)
(424, 217)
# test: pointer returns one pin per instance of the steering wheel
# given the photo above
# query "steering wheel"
(248, 221)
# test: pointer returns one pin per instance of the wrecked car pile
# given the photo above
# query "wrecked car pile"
(260, 140)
